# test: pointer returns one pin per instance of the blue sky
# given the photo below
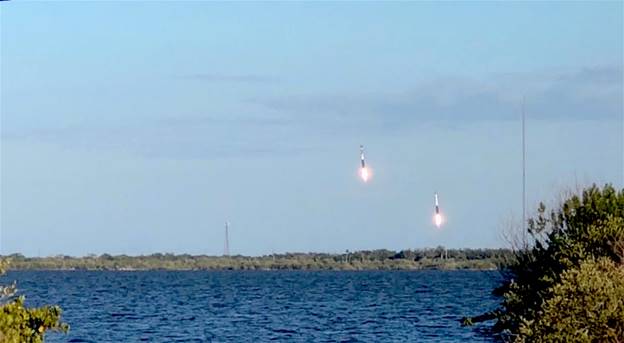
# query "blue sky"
(141, 127)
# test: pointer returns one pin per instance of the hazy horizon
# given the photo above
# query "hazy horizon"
(137, 128)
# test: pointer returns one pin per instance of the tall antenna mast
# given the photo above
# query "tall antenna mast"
(523, 167)
(226, 250)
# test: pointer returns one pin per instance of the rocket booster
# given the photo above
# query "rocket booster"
(364, 172)
(362, 156)
(437, 217)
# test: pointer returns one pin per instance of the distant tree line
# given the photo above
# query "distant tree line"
(429, 258)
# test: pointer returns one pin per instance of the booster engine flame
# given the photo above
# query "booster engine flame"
(364, 174)
(437, 219)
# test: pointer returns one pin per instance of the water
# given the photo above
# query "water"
(231, 306)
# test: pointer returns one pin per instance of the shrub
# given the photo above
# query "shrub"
(586, 306)
(19, 324)
(558, 265)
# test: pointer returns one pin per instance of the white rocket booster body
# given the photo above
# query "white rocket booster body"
(362, 156)
(437, 204)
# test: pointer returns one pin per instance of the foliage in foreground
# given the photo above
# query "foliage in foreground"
(564, 286)
(19, 324)
(591, 299)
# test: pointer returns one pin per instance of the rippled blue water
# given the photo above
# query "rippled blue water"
(155, 306)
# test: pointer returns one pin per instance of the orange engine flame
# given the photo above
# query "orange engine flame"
(364, 174)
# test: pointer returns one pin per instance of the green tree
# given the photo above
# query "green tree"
(19, 324)
(586, 306)
(584, 228)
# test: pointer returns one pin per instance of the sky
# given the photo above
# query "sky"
(141, 127)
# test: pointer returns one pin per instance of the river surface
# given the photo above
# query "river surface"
(255, 306)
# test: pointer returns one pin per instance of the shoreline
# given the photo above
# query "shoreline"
(369, 260)
(252, 270)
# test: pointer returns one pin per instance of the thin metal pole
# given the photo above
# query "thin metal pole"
(523, 167)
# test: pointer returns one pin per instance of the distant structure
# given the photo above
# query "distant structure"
(226, 248)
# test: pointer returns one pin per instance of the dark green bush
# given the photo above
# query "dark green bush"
(558, 265)
(586, 306)
(19, 324)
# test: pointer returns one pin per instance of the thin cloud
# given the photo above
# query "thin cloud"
(583, 94)
(178, 138)
(230, 78)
